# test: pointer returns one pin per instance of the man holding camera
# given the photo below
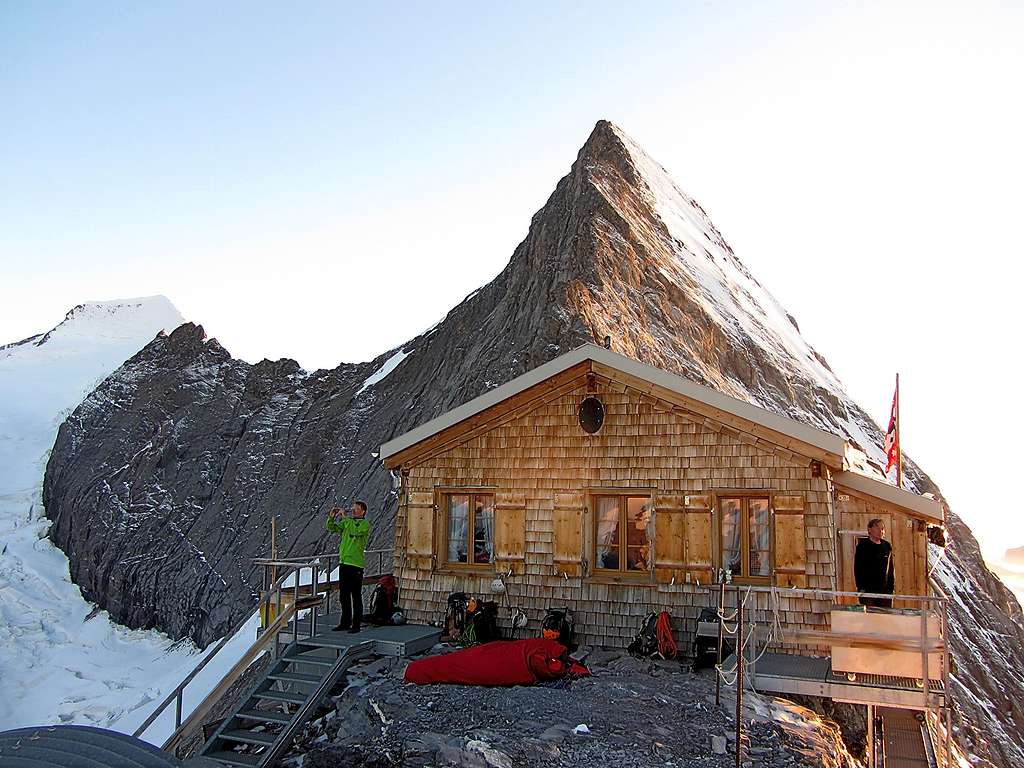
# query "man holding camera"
(354, 530)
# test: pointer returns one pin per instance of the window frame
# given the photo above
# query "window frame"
(745, 495)
(619, 574)
(442, 502)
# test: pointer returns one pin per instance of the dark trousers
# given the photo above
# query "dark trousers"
(350, 595)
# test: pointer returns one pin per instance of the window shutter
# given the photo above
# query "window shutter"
(420, 515)
(510, 532)
(568, 533)
(697, 552)
(670, 539)
(790, 545)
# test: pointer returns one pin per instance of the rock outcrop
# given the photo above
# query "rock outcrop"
(163, 482)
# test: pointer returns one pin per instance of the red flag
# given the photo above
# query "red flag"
(892, 435)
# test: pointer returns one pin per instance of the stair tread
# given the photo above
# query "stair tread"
(264, 715)
(297, 677)
(320, 660)
(293, 698)
(249, 737)
(233, 758)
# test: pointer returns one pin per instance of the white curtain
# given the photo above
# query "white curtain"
(458, 528)
(607, 539)
(484, 530)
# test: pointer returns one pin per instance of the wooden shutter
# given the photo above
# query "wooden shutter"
(697, 544)
(510, 532)
(419, 539)
(790, 546)
(568, 533)
(670, 539)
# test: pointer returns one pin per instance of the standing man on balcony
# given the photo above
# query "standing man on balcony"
(355, 531)
(873, 566)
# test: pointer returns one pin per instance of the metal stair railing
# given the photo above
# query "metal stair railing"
(308, 706)
(272, 595)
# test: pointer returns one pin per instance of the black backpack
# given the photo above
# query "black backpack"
(485, 622)
(383, 601)
(557, 625)
(646, 641)
(455, 615)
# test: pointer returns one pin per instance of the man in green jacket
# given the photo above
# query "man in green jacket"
(354, 532)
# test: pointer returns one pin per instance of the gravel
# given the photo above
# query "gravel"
(630, 712)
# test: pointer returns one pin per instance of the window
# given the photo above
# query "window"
(469, 525)
(746, 536)
(622, 535)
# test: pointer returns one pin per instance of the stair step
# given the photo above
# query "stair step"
(319, 660)
(264, 716)
(249, 737)
(295, 677)
(288, 696)
(234, 758)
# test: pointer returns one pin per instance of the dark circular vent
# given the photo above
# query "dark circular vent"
(591, 415)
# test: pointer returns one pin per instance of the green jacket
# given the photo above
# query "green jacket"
(354, 534)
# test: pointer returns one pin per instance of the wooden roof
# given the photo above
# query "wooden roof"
(915, 504)
(589, 358)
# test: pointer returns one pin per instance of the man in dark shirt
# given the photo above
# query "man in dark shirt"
(873, 566)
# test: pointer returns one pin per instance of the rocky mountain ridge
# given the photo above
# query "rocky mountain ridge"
(163, 482)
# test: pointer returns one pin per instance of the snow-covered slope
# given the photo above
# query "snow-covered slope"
(62, 659)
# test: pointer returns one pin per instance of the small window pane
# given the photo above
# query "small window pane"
(607, 538)
(732, 542)
(483, 529)
(638, 533)
(458, 528)
(758, 519)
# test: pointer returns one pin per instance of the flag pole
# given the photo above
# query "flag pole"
(899, 445)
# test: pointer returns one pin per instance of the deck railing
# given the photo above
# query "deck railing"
(857, 642)
(286, 594)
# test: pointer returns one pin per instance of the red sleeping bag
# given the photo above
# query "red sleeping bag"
(503, 662)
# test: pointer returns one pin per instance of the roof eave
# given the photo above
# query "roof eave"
(831, 447)
(915, 504)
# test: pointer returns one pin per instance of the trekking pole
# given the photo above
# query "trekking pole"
(739, 680)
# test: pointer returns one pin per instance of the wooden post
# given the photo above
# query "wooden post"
(871, 737)
(739, 679)
(721, 633)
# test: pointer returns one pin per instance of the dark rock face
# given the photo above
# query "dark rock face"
(162, 484)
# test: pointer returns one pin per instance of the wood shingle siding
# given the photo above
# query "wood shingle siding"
(544, 469)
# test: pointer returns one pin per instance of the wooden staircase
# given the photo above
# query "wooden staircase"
(262, 728)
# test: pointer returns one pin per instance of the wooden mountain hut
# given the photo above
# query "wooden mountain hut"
(614, 489)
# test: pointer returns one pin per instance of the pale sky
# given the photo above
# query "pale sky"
(324, 183)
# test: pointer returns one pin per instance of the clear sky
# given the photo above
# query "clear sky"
(323, 182)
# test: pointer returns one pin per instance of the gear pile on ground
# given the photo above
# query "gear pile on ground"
(631, 712)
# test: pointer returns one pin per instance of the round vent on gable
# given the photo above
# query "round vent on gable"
(591, 415)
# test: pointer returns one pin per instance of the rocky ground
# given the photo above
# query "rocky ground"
(628, 713)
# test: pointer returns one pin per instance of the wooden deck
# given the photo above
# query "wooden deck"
(404, 640)
(813, 676)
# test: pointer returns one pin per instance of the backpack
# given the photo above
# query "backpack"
(557, 625)
(485, 622)
(455, 615)
(646, 641)
(383, 600)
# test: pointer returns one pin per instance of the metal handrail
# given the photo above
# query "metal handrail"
(830, 593)
(202, 709)
(177, 694)
(308, 559)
